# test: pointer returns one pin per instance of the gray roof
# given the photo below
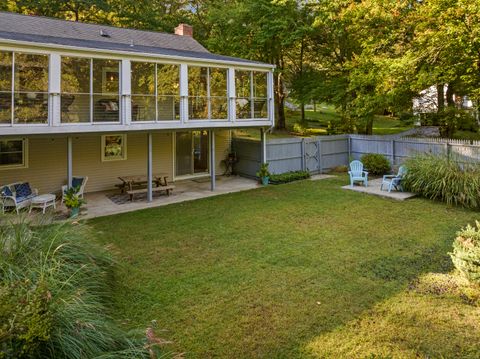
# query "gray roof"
(69, 33)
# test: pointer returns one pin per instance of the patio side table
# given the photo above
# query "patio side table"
(43, 201)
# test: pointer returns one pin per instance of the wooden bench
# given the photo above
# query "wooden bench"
(167, 190)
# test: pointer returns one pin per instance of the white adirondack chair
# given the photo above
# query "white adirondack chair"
(357, 174)
(394, 181)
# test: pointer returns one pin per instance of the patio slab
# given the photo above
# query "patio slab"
(374, 188)
(106, 203)
(321, 177)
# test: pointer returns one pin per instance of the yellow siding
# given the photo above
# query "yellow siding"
(47, 168)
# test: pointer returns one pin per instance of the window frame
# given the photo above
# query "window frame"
(252, 98)
(157, 96)
(208, 96)
(24, 154)
(13, 90)
(92, 94)
(124, 147)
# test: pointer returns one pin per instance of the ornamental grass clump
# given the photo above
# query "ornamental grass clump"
(442, 178)
(466, 253)
(54, 296)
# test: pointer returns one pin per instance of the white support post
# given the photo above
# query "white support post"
(149, 169)
(212, 159)
(69, 161)
(232, 93)
(271, 101)
(126, 92)
(263, 140)
(183, 93)
(54, 88)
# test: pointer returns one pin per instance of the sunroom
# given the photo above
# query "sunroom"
(118, 106)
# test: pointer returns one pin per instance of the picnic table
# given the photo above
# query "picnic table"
(129, 182)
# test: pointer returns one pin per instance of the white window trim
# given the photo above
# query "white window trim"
(24, 155)
(156, 95)
(124, 141)
(209, 98)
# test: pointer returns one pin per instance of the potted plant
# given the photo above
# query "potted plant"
(264, 174)
(73, 201)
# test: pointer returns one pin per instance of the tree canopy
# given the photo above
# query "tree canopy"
(365, 57)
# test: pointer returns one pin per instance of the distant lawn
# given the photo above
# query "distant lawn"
(298, 270)
(318, 122)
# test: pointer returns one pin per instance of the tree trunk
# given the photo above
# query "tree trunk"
(369, 125)
(302, 108)
(440, 98)
(450, 101)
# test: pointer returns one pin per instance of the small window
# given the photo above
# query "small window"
(13, 153)
(114, 147)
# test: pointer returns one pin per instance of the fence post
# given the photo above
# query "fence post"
(302, 149)
(349, 145)
(319, 151)
(393, 153)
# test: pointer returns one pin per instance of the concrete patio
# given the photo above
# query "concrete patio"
(374, 188)
(112, 202)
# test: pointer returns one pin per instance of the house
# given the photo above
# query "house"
(104, 102)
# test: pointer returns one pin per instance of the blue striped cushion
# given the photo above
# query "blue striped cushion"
(23, 190)
(6, 191)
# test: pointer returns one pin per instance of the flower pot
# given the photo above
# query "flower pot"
(74, 212)
(265, 180)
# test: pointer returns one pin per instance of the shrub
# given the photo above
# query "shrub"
(443, 179)
(375, 163)
(300, 128)
(466, 253)
(54, 296)
(289, 177)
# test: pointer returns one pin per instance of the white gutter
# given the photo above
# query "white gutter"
(139, 54)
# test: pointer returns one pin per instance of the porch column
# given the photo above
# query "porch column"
(212, 159)
(263, 145)
(149, 168)
(69, 161)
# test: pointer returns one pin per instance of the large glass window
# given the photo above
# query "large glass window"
(155, 92)
(27, 100)
(207, 89)
(13, 153)
(251, 94)
(90, 90)
(6, 87)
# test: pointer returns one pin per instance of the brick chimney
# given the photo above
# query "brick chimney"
(184, 30)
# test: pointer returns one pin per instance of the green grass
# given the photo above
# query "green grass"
(298, 270)
(318, 121)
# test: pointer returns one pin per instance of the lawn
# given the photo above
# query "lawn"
(297, 270)
(318, 122)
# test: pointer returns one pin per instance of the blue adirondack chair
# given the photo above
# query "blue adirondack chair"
(357, 174)
(394, 181)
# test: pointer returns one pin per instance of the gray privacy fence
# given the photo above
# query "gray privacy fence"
(323, 153)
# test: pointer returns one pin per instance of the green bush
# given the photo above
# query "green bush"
(375, 164)
(54, 296)
(466, 253)
(442, 178)
(289, 177)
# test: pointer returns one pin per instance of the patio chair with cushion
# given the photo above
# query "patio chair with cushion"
(394, 181)
(17, 195)
(357, 174)
(77, 182)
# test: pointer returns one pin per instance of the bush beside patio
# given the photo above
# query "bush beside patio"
(294, 271)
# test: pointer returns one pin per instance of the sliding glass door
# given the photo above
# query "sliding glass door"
(191, 153)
